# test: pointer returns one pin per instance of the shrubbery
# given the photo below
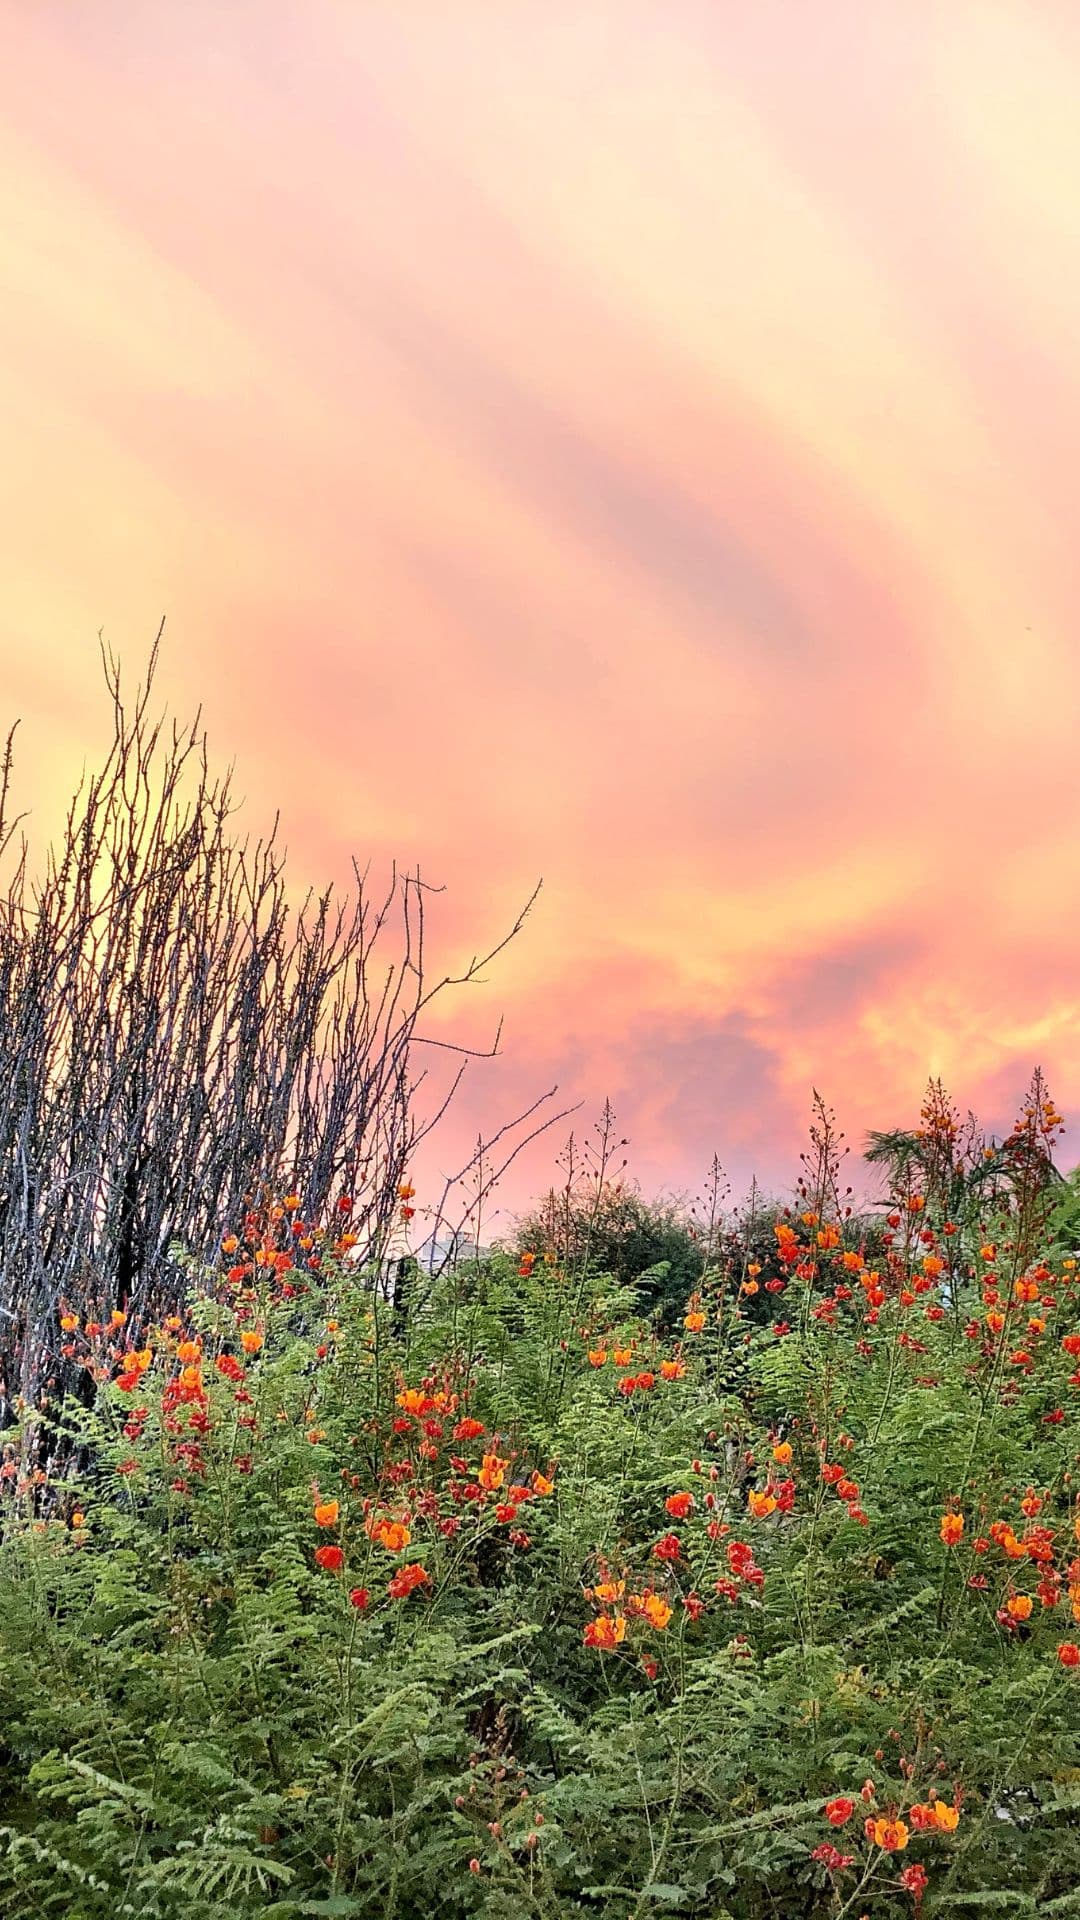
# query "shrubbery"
(510, 1604)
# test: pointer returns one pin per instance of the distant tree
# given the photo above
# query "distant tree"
(648, 1244)
(963, 1176)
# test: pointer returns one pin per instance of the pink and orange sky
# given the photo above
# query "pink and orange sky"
(626, 443)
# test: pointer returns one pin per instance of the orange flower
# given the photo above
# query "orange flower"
(952, 1528)
(656, 1611)
(326, 1513)
(597, 1356)
(492, 1472)
(542, 1485)
(781, 1453)
(995, 1321)
(622, 1356)
(607, 1632)
(414, 1400)
(608, 1591)
(79, 1520)
(672, 1369)
(117, 1318)
(760, 1504)
(693, 1322)
(394, 1535)
(679, 1505)
(189, 1350)
(68, 1322)
(946, 1818)
(468, 1429)
(890, 1835)
(251, 1341)
(1019, 1605)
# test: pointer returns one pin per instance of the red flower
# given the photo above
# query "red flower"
(831, 1857)
(359, 1598)
(679, 1505)
(468, 1429)
(914, 1881)
(331, 1559)
(667, 1548)
(839, 1811)
(1069, 1654)
(406, 1579)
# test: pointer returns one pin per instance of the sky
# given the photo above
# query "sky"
(627, 445)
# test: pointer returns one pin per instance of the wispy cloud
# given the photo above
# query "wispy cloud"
(628, 444)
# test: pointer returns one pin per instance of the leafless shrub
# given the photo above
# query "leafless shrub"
(175, 1037)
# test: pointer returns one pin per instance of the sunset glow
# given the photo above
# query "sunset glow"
(628, 444)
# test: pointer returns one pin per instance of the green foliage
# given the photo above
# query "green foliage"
(650, 1246)
(548, 1717)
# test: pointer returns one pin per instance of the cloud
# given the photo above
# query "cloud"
(621, 445)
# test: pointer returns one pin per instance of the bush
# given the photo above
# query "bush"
(509, 1604)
